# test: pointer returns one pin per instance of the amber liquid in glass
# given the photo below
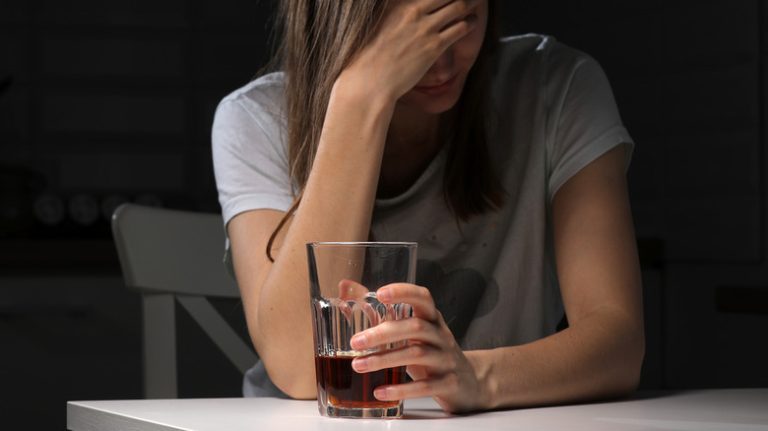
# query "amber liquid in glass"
(345, 387)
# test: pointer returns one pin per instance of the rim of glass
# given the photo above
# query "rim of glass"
(364, 243)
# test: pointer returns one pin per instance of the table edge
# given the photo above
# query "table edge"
(82, 417)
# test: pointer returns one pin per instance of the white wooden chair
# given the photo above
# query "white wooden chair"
(174, 256)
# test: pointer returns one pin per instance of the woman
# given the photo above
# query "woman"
(504, 159)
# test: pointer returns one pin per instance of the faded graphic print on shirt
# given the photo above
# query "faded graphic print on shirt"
(461, 295)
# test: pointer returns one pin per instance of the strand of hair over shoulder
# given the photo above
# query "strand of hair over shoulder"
(280, 226)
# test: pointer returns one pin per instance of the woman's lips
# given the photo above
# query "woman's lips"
(436, 89)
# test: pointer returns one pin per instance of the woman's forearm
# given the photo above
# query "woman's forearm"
(600, 357)
(336, 205)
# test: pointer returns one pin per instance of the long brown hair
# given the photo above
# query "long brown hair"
(318, 39)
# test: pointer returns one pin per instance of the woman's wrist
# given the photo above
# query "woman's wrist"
(356, 89)
(366, 114)
(487, 385)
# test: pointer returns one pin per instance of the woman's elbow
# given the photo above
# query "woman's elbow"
(297, 389)
(629, 364)
(293, 377)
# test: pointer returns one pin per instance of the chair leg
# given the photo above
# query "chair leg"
(159, 340)
(239, 353)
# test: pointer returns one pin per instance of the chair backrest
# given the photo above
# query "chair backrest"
(174, 257)
(174, 251)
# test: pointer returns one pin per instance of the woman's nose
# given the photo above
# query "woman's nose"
(443, 67)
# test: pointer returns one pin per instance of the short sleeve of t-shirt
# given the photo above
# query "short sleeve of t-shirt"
(249, 155)
(587, 122)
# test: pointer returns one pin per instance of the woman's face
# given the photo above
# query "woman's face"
(440, 88)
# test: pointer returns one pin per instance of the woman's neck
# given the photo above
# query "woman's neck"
(413, 140)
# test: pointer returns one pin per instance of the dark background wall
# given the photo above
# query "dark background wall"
(106, 102)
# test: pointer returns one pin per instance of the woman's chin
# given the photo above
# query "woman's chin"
(429, 104)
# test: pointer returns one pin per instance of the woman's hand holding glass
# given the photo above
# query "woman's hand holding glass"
(432, 356)
(410, 38)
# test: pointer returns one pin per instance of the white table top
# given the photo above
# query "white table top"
(704, 410)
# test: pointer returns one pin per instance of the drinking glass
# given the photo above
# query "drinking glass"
(344, 277)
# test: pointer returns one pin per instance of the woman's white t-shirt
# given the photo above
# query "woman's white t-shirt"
(493, 278)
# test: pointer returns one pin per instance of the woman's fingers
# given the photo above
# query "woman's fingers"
(444, 384)
(452, 13)
(433, 7)
(415, 354)
(351, 290)
(418, 297)
(431, 355)
(390, 332)
(457, 31)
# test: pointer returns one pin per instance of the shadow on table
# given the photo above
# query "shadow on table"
(648, 395)
(414, 414)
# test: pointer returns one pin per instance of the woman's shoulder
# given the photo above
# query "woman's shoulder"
(539, 53)
(538, 70)
(251, 115)
(263, 95)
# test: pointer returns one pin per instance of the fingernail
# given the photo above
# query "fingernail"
(360, 364)
(358, 342)
(380, 393)
(384, 294)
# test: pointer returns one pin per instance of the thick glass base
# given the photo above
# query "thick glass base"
(362, 412)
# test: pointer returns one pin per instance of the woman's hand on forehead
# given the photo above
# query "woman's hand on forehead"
(434, 5)
(412, 35)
